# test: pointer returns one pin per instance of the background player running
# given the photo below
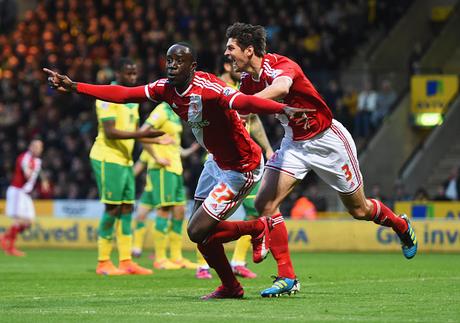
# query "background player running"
(234, 165)
(312, 141)
(19, 204)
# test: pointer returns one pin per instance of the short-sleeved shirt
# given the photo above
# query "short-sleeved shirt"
(206, 106)
(164, 119)
(126, 117)
(302, 94)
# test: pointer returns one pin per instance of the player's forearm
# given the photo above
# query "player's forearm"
(155, 140)
(122, 134)
(273, 92)
(149, 149)
(252, 104)
(113, 93)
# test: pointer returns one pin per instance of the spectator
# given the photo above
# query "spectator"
(440, 194)
(332, 94)
(415, 57)
(318, 200)
(452, 185)
(421, 195)
(386, 98)
(367, 105)
(303, 209)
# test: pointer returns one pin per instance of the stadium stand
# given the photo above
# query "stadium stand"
(84, 39)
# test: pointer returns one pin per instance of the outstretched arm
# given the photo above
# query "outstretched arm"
(113, 133)
(252, 104)
(109, 93)
(277, 90)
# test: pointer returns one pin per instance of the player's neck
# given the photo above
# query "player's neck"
(182, 87)
(255, 67)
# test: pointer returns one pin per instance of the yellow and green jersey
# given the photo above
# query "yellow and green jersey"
(126, 117)
(163, 118)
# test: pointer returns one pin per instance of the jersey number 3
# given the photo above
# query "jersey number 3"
(348, 174)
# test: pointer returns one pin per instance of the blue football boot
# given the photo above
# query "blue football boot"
(282, 286)
(408, 240)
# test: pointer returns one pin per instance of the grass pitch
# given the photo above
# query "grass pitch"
(61, 286)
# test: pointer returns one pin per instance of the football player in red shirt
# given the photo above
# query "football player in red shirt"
(235, 162)
(19, 204)
(312, 141)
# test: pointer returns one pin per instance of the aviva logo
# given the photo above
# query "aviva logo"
(434, 87)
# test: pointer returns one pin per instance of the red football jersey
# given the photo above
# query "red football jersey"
(302, 94)
(206, 107)
(26, 163)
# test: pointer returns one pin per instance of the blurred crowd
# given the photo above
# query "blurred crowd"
(84, 39)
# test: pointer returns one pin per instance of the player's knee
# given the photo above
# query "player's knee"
(141, 217)
(264, 207)
(358, 213)
(197, 234)
(126, 208)
(113, 210)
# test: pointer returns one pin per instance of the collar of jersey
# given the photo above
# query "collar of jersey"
(186, 90)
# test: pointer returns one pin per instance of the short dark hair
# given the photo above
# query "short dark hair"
(190, 47)
(124, 61)
(249, 35)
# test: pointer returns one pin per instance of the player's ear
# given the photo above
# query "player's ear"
(249, 51)
(193, 66)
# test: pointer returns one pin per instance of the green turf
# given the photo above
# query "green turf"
(60, 286)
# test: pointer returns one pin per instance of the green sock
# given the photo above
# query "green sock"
(126, 223)
(140, 224)
(177, 226)
(106, 226)
(161, 224)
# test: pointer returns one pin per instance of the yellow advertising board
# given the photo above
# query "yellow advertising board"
(42, 207)
(432, 93)
(429, 210)
(438, 235)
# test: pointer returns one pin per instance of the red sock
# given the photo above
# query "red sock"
(382, 215)
(215, 257)
(279, 247)
(13, 231)
(226, 231)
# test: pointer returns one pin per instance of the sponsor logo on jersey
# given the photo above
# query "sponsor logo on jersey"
(194, 107)
(275, 73)
(198, 124)
(228, 91)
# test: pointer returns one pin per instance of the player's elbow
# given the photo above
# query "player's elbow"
(282, 91)
(109, 134)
